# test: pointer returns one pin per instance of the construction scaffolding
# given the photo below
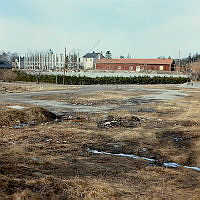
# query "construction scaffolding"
(49, 61)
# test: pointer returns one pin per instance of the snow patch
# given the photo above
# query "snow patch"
(16, 107)
(165, 164)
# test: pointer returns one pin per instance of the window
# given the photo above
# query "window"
(161, 68)
(131, 68)
(119, 67)
(137, 68)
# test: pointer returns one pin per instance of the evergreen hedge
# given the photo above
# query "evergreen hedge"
(83, 80)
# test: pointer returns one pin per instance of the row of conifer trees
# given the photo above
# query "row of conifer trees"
(83, 80)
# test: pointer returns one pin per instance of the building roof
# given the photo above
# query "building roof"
(5, 65)
(136, 61)
(93, 55)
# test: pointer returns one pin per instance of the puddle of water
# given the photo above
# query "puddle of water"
(165, 164)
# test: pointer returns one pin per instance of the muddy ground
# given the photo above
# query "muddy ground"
(52, 159)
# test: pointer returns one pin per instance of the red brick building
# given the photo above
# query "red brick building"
(136, 64)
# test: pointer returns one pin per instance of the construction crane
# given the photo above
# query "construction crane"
(94, 45)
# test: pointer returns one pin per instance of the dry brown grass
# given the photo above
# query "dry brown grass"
(51, 161)
(11, 117)
(31, 87)
(55, 188)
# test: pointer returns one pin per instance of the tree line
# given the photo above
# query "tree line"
(190, 59)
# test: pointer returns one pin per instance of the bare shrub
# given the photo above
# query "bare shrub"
(2, 73)
(9, 75)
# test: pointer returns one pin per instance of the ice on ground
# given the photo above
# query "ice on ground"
(121, 155)
(94, 74)
(171, 164)
(195, 168)
(190, 85)
(165, 164)
(16, 107)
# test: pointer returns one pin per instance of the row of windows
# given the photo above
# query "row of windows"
(130, 68)
(88, 59)
(138, 68)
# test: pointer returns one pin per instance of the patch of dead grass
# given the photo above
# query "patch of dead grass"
(19, 87)
(12, 116)
(63, 169)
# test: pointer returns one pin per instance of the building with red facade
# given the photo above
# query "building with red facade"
(136, 64)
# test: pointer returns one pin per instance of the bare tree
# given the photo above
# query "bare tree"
(108, 55)
(4, 57)
(8, 57)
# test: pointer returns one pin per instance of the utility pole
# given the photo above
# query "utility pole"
(65, 59)
(179, 57)
(56, 79)
(78, 62)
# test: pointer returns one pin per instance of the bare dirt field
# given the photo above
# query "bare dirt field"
(108, 142)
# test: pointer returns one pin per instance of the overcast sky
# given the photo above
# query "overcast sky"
(142, 28)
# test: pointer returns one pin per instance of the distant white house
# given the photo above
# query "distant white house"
(89, 60)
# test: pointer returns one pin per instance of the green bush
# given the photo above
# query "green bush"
(78, 80)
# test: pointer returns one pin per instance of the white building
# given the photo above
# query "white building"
(48, 62)
(89, 60)
(42, 61)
